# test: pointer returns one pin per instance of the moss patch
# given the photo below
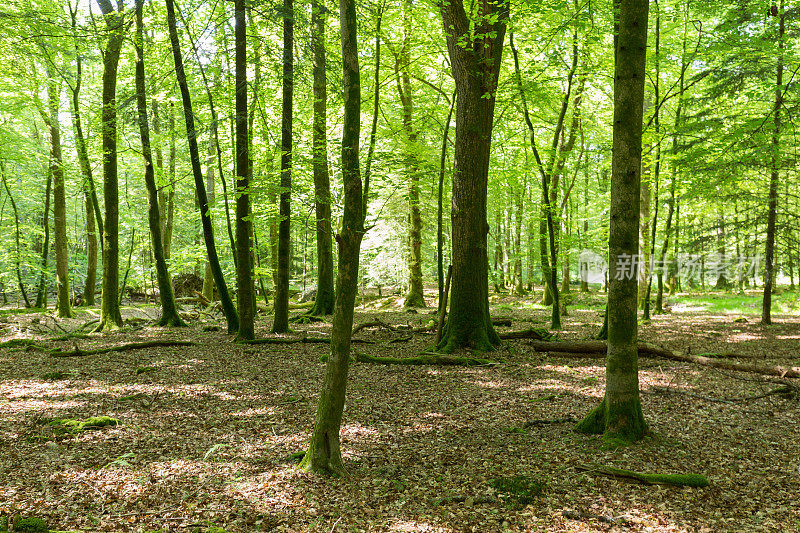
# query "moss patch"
(518, 490)
(72, 425)
(31, 525)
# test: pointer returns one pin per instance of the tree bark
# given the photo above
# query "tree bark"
(620, 413)
(17, 258)
(169, 310)
(325, 299)
(280, 323)
(208, 230)
(324, 452)
(476, 66)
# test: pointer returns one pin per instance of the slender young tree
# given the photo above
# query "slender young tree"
(324, 451)
(17, 261)
(772, 211)
(244, 271)
(475, 48)
(325, 299)
(619, 415)
(228, 308)
(169, 310)
(280, 323)
(110, 317)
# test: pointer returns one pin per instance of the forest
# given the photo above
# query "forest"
(413, 266)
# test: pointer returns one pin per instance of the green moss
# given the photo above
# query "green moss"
(519, 490)
(31, 525)
(295, 457)
(144, 369)
(54, 376)
(73, 425)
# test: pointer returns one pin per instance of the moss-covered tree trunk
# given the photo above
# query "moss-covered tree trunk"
(324, 451)
(325, 299)
(402, 69)
(280, 323)
(476, 66)
(169, 310)
(110, 317)
(772, 210)
(620, 413)
(244, 271)
(194, 155)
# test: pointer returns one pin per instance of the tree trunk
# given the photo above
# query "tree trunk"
(476, 66)
(324, 452)
(402, 69)
(208, 230)
(41, 292)
(169, 310)
(440, 213)
(17, 266)
(769, 253)
(63, 306)
(110, 317)
(280, 323)
(325, 299)
(244, 279)
(620, 413)
(519, 289)
(208, 276)
(94, 220)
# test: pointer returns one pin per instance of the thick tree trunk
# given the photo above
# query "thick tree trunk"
(324, 452)
(208, 230)
(325, 299)
(280, 323)
(620, 413)
(476, 66)
(244, 279)
(110, 317)
(769, 253)
(169, 310)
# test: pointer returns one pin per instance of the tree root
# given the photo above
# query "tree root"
(598, 349)
(301, 340)
(675, 480)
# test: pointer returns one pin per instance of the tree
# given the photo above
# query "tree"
(325, 299)
(324, 452)
(169, 310)
(775, 156)
(228, 309)
(475, 48)
(110, 317)
(280, 323)
(619, 415)
(246, 292)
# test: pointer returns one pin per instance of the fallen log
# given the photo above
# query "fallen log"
(540, 334)
(299, 340)
(598, 349)
(675, 480)
(377, 323)
(77, 352)
(425, 359)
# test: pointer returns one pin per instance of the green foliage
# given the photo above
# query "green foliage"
(31, 525)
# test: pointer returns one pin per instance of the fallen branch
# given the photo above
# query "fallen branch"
(675, 480)
(505, 322)
(377, 323)
(77, 352)
(598, 349)
(548, 421)
(787, 390)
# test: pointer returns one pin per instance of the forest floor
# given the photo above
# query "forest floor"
(206, 432)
